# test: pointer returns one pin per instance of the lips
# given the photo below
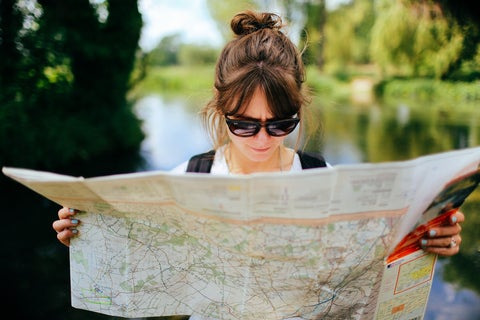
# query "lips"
(261, 150)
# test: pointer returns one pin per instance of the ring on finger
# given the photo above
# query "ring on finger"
(453, 243)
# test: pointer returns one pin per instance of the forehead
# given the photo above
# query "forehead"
(257, 107)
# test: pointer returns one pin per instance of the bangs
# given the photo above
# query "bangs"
(283, 96)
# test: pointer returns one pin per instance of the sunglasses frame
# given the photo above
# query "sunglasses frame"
(262, 124)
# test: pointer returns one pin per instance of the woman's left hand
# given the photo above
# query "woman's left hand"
(444, 240)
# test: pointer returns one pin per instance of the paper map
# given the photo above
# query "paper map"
(311, 244)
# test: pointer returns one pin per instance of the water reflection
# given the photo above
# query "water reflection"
(448, 301)
(173, 133)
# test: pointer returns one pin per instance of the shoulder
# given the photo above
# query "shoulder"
(181, 168)
(207, 162)
(195, 163)
(310, 160)
(201, 162)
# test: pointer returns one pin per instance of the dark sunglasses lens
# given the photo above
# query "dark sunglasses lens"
(281, 128)
(243, 128)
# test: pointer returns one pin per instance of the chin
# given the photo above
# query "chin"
(260, 157)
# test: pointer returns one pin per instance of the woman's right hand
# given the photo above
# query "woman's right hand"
(66, 225)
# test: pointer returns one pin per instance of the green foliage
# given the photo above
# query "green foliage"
(456, 93)
(196, 79)
(171, 51)
(312, 34)
(416, 40)
(191, 55)
(467, 71)
(64, 82)
(435, 39)
(166, 52)
(437, 45)
(324, 86)
(347, 34)
(392, 45)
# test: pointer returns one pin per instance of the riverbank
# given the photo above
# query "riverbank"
(198, 80)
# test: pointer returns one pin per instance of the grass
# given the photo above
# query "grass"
(176, 80)
(198, 81)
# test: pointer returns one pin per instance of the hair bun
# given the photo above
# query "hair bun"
(247, 22)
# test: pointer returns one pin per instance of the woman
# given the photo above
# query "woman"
(259, 99)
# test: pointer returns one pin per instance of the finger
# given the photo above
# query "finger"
(65, 236)
(443, 242)
(61, 225)
(446, 246)
(443, 251)
(65, 212)
(458, 217)
(444, 231)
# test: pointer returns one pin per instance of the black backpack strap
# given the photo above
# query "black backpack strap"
(201, 162)
(311, 160)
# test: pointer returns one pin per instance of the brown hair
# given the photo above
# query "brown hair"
(259, 56)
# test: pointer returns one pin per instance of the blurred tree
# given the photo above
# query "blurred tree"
(11, 21)
(223, 11)
(313, 32)
(166, 52)
(465, 11)
(171, 51)
(348, 33)
(467, 16)
(64, 72)
(417, 38)
(193, 54)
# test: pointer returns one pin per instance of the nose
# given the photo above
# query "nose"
(262, 134)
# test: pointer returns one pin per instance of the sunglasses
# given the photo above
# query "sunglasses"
(249, 128)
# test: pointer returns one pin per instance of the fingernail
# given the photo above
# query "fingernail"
(74, 231)
(71, 210)
(74, 221)
(423, 243)
(454, 219)
(432, 233)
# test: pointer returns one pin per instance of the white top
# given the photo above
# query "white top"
(220, 165)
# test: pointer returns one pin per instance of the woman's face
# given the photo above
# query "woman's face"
(260, 147)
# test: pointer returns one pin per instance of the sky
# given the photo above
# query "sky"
(190, 18)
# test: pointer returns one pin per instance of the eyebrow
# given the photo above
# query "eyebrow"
(244, 118)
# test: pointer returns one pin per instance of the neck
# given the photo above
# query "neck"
(237, 163)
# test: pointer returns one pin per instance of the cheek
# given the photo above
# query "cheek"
(233, 138)
(239, 142)
(277, 141)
